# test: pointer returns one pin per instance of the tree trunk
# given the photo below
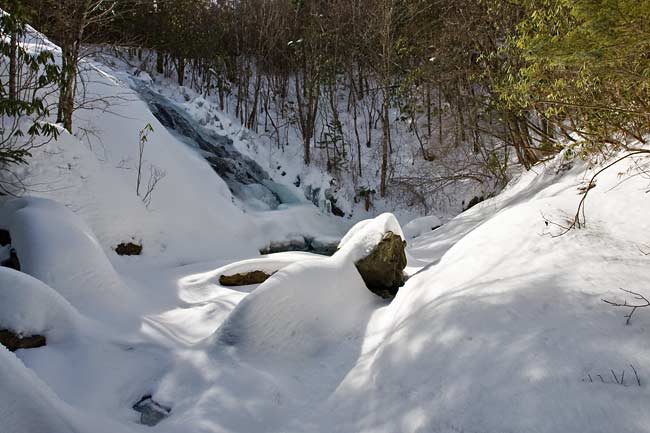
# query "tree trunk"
(385, 148)
(160, 62)
(13, 66)
(180, 70)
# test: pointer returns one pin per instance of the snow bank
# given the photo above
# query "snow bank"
(505, 329)
(191, 215)
(301, 310)
(28, 405)
(311, 304)
(365, 235)
(28, 306)
(55, 246)
(419, 226)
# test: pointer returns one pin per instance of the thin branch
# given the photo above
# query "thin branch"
(636, 296)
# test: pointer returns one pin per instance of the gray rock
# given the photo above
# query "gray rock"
(151, 412)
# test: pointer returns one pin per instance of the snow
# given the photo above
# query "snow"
(500, 328)
(419, 226)
(30, 307)
(365, 235)
(300, 310)
(26, 403)
(191, 216)
(55, 246)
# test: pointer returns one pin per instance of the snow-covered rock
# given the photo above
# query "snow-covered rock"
(419, 226)
(365, 235)
(55, 246)
(300, 310)
(28, 306)
(377, 248)
(29, 405)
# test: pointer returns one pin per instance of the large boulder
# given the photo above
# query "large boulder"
(377, 248)
(383, 269)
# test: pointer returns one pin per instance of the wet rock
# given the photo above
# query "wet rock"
(11, 261)
(14, 341)
(151, 412)
(5, 238)
(383, 269)
(331, 197)
(296, 244)
(326, 248)
(474, 201)
(304, 243)
(337, 211)
(128, 249)
(244, 279)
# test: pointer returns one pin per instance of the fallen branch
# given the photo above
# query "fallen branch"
(579, 220)
(637, 296)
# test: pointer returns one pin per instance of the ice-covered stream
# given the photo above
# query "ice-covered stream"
(250, 184)
(247, 180)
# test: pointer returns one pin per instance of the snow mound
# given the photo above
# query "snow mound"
(300, 310)
(26, 403)
(55, 246)
(28, 306)
(365, 235)
(419, 226)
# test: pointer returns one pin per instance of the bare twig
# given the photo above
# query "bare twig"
(579, 220)
(637, 296)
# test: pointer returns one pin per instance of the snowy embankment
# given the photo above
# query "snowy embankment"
(501, 328)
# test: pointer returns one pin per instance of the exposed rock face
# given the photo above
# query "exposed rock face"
(13, 341)
(128, 249)
(244, 279)
(383, 269)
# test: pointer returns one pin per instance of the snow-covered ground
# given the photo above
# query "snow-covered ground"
(500, 327)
